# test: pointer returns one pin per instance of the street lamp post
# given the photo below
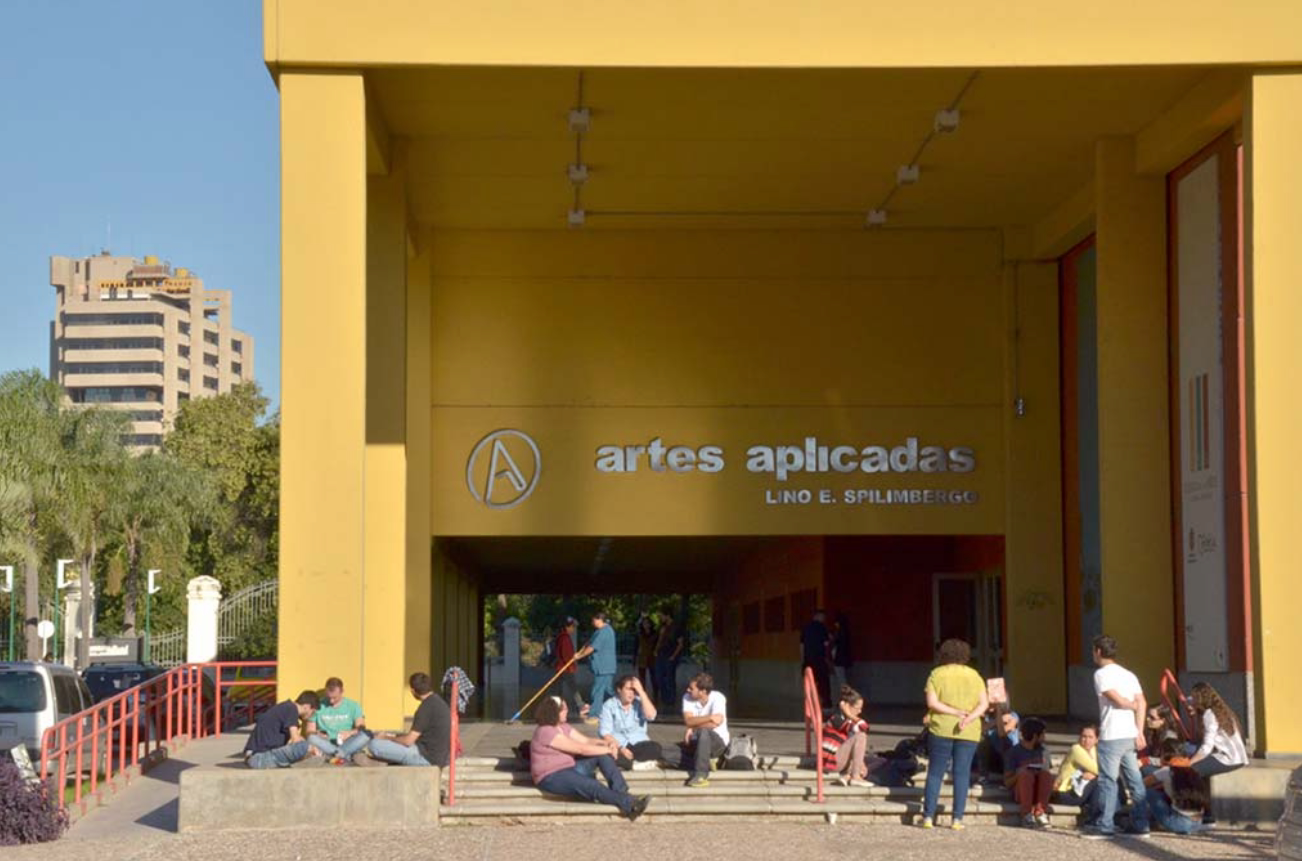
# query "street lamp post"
(150, 589)
(59, 585)
(8, 588)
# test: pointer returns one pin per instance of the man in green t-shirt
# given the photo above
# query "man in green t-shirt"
(338, 727)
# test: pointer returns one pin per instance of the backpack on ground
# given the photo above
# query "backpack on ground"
(742, 754)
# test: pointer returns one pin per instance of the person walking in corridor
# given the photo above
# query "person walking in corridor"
(956, 700)
(1122, 708)
(815, 641)
(601, 648)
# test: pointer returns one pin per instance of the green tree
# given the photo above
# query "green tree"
(221, 436)
(31, 481)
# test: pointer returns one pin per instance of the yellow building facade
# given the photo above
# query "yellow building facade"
(984, 317)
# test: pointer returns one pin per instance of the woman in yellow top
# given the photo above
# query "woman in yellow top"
(956, 700)
(1076, 778)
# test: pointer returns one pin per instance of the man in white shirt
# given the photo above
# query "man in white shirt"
(705, 711)
(1121, 736)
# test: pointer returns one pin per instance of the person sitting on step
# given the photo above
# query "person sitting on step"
(624, 719)
(338, 729)
(276, 741)
(845, 740)
(705, 711)
(429, 741)
(1177, 794)
(562, 761)
(1221, 748)
(1028, 771)
(1077, 776)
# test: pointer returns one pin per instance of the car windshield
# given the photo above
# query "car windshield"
(21, 691)
(106, 684)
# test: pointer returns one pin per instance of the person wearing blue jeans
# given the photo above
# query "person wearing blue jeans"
(276, 741)
(1168, 818)
(338, 727)
(1122, 708)
(387, 750)
(602, 649)
(563, 761)
(956, 700)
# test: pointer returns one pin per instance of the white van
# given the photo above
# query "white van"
(34, 696)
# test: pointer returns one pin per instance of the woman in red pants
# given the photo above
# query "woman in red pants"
(1028, 772)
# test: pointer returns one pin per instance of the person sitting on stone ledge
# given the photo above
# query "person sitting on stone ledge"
(276, 741)
(429, 741)
(338, 729)
(624, 720)
(562, 761)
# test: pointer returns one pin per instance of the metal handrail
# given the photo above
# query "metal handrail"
(1170, 681)
(454, 738)
(171, 708)
(814, 729)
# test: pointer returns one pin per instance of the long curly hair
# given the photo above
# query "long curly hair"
(1206, 699)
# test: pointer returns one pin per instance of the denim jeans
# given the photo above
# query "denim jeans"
(578, 782)
(1161, 812)
(603, 688)
(1119, 758)
(387, 750)
(940, 752)
(281, 757)
(343, 750)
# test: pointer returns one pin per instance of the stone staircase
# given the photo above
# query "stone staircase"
(498, 790)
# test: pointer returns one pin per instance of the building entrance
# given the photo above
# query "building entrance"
(970, 607)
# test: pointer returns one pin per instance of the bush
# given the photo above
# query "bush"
(27, 812)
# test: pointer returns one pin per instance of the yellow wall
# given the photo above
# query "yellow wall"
(1274, 189)
(1134, 429)
(323, 403)
(780, 33)
(1036, 642)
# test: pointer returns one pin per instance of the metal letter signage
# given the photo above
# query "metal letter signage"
(486, 484)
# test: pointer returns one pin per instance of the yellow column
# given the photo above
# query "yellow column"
(1033, 540)
(419, 647)
(385, 600)
(323, 384)
(1273, 204)
(1134, 430)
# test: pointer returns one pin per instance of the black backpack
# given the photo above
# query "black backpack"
(742, 754)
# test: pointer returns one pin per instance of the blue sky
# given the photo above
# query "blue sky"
(157, 118)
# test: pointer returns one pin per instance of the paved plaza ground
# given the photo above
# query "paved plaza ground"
(752, 841)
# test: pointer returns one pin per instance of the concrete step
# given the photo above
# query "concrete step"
(736, 790)
(706, 806)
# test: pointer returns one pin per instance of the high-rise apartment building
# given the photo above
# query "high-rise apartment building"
(141, 336)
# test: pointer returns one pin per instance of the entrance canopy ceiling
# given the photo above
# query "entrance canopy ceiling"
(488, 148)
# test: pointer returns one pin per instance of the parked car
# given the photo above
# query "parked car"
(35, 696)
(109, 680)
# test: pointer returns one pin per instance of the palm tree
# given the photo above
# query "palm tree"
(160, 498)
(31, 480)
(96, 463)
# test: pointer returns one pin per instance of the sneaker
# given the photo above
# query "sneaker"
(1042, 819)
(698, 781)
(647, 765)
(859, 781)
(957, 825)
(926, 823)
(1143, 834)
(1093, 832)
(842, 780)
(1028, 820)
(639, 807)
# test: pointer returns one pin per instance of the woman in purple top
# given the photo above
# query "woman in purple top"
(562, 761)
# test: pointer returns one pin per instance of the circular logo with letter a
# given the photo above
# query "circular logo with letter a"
(503, 469)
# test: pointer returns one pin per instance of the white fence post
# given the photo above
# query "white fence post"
(205, 595)
(510, 682)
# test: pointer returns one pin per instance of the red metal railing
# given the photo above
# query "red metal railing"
(814, 729)
(113, 737)
(454, 744)
(1184, 710)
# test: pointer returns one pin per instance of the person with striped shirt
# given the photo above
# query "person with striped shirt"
(845, 740)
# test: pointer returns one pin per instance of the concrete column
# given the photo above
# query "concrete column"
(204, 596)
(1134, 423)
(1273, 206)
(509, 684)
(385, 506)
(323, 380)
(1033, 542)
(419, 645)
(72, 632)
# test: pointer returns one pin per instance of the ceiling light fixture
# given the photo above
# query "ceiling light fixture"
(580, 120)
(946, 121)
(906, 174)
(876, 217)
(578, 173)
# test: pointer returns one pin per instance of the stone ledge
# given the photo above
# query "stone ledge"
(222, 798)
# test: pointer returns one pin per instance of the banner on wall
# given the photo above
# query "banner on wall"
(1202, 418)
